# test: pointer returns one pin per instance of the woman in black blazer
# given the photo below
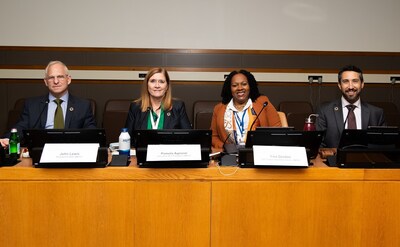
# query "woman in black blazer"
(156, 109)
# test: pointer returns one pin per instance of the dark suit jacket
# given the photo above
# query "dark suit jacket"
(176, 118)
(331, 120)
(34, 115)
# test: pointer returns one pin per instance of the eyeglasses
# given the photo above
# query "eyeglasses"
(59, 78)
(155, 80)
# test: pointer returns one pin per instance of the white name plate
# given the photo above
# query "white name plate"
(280, 156)
(172, 152)
(69, 152)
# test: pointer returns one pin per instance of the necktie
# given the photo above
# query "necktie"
(351, 119)
(58, 115)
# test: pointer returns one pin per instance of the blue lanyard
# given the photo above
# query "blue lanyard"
(240, 122)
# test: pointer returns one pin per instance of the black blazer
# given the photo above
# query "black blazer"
(176, 118)
(331, 120)
(34, 115)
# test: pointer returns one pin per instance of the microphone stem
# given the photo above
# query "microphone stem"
(345, 121)
(41, 113)
(259, 113)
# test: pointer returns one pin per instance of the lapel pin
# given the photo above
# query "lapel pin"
(336, 108)
(168, 114)
(71, 109)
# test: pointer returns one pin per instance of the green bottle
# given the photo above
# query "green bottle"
(14, 144)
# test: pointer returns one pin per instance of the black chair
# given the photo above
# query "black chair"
(392, 115)
(296, 112)
(114, 118)
(202, 113)
(15, 113)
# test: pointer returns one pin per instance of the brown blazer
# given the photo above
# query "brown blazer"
(268, 117)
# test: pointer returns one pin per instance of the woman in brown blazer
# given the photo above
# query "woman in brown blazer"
(241, 102)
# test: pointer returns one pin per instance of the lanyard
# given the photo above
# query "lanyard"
(240, 122)
(154, 125)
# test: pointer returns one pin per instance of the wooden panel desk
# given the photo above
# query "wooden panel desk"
(130, 206)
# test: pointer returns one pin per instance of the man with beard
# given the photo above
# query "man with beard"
(348, 112)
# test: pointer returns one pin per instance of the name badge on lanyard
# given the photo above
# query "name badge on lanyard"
(154, 125)
(240, 124)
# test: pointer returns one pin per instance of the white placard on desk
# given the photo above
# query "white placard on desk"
(69, 152)
(279, 156)
(172, 152)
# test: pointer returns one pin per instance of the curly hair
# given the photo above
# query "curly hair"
(226, 92)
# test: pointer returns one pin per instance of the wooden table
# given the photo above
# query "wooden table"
(215, 206)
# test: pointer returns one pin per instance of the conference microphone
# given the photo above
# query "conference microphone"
(41, 112)
(223, 152)
(143, 119)
(229, 155)
(345, 121)
(229, 148)
(259, 113)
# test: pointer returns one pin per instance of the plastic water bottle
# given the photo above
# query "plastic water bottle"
(14, 144)
(124, 142)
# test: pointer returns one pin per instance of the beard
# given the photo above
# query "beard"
(352, 95)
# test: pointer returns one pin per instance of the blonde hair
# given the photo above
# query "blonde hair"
(144, 99)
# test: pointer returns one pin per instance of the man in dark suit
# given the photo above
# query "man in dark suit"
(338, 115)
(58, 109)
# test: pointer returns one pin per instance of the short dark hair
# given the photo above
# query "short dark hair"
(350, 68)
(226, 92)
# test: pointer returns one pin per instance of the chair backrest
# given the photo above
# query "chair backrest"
(19, 104)
(118, 105)
(295, 107)
(114, 118)
(13, 117)
(388, 107)
(93, 106)
(202, 113)
(296, 112)
(297, 120)
(282, 117)
(15, 113)
(391, 112)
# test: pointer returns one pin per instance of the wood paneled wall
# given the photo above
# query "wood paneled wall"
(198, 60)
(118, 59)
